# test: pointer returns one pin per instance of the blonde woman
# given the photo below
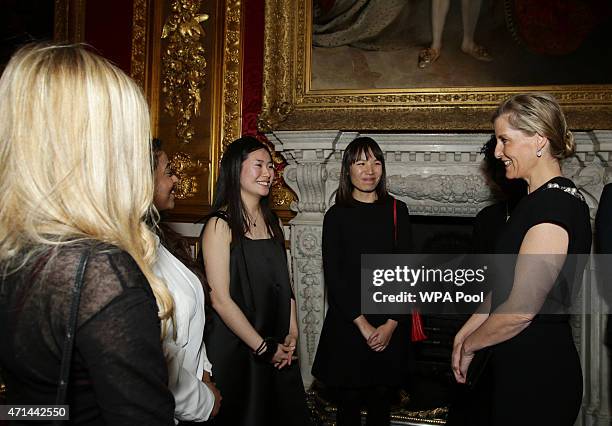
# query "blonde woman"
(534, 364)
(75, 185)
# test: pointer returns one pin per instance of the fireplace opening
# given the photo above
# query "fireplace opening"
(433, 384)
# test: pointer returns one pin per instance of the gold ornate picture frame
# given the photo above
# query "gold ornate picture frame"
(291, 103)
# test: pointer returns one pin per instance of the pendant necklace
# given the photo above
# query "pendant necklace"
(253, 222)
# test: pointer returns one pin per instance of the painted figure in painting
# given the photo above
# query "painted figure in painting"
(470, 9)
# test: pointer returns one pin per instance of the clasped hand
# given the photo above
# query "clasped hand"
(378, 338)
(284, 352)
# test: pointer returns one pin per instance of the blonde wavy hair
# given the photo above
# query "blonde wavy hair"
(75, 157)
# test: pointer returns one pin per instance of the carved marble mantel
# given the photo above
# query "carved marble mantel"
(435, 174)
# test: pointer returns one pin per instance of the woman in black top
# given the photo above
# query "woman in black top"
(253, 330)
(534, 364)
(75, 183)
(361, 356)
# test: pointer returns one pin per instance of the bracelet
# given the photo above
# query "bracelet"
(260, 348)
(266, 349)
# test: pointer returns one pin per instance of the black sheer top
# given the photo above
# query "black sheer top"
(118, 373)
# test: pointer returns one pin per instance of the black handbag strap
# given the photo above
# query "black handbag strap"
(71, 330)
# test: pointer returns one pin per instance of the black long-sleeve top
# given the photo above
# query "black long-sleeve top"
(118, 373)
(349, 232)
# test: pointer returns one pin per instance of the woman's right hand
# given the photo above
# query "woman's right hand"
(468, 328)
(365, 328)
(456, 358)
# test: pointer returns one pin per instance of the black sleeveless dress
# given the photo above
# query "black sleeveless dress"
(255, 393)
(537, 378)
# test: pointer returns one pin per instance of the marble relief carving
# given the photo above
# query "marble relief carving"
(307, 268)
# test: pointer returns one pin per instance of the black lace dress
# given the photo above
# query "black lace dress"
(118, 373)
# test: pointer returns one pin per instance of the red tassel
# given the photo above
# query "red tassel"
(417, 334)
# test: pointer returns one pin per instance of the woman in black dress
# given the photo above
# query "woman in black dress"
(361, 356)
(537, 378)
(253, 329)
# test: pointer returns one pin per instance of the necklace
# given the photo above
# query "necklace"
(252, 222)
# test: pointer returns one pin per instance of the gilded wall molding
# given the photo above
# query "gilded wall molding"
(69, 21)
(279, 28)
(232, 73)
(184, 65)
(60, 20)
(139, 42)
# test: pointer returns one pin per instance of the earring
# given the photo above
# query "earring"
(539, 153)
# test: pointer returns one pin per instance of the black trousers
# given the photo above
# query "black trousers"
(377, 401)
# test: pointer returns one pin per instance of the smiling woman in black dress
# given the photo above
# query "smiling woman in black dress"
(361, 356)
(537, 378)
(253, 328)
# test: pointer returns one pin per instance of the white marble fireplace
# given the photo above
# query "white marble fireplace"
(435, 174)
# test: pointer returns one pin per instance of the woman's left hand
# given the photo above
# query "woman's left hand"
(288, 346)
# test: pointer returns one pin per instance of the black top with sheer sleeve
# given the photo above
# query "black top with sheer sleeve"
(118, 374)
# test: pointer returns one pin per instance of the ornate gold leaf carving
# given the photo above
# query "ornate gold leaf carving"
(281, 197)
(277, 63)
(271, 119)
(232, 48)
(69, 20)
(186, 170)
(60, 20)
(184, 65)
(139, 41)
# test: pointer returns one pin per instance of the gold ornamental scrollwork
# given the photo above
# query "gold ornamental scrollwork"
(232, 73)
(139, 42)
(282, 196)
(184, 65)
(187, 171)
(271, 119)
